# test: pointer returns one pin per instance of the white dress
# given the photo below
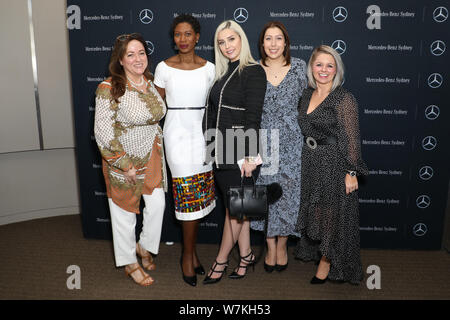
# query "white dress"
(192, 180)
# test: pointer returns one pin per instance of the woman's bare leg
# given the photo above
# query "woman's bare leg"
(323, 269)
(231, 231)
(282, 257)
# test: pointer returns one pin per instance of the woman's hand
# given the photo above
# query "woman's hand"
(351, 183)
(130, 175)
(247, 169)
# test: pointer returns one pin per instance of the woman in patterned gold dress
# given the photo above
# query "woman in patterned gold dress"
(127, 114)
(331, 161)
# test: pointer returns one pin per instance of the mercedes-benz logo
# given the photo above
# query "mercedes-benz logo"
(438, 47)
(435, 80)
(432, 112)
(426, 173)
(429, 143)
(339, 46)
(146, 16)
(150, 47)
(240, 15)
(423, 201)
(440, 14)
(420, 229)
(340, 14)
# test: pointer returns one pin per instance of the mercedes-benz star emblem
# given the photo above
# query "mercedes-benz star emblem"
(420, 229)
(435, 80)
(240, 15)
(340, 14)
(146, 16)
(432, 112)
(423, 201)
(426, 173)
(150, 47)
(440, 14)
(339, 46)
(438, 47)
(429, 143)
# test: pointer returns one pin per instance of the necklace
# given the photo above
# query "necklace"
(136, 84)
(275, 70)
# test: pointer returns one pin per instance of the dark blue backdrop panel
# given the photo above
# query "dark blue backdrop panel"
(396, 63)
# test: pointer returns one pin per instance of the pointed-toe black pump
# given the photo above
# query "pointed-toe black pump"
(269, 268)
(199, 270)
(281, 267)
(316, 280)
(190, 280)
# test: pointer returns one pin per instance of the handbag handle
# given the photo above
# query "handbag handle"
(242, 187)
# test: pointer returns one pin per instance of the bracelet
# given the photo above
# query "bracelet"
(251, 160)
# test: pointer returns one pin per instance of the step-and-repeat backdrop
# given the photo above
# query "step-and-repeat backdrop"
(396, 55)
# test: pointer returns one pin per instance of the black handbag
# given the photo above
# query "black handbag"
(247, 201)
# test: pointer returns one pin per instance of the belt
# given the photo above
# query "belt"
(313, 143)
(185, 108)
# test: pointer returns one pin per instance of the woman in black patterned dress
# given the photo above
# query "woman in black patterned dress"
(331, 161)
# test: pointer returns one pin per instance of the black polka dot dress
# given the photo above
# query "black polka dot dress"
(328, 218)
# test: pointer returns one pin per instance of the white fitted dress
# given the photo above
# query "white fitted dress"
(192, 180)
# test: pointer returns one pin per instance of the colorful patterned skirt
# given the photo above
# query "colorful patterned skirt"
(194, 196)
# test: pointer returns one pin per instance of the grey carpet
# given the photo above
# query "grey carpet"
(35, 256)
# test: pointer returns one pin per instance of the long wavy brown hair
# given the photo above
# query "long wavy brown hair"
(118, 77)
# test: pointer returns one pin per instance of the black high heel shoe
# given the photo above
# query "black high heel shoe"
(199, 270)
(250, 263)
(316, 280)
(269, 268)
(190, 280)
(281, 267)
(209, 280)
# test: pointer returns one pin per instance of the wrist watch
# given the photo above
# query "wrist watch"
(351, 173)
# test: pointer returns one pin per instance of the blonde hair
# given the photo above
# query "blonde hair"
(245, 56)
(338, 78)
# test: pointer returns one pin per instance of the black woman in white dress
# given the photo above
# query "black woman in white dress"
(184, 80)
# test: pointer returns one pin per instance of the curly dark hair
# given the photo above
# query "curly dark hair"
(184, 17)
